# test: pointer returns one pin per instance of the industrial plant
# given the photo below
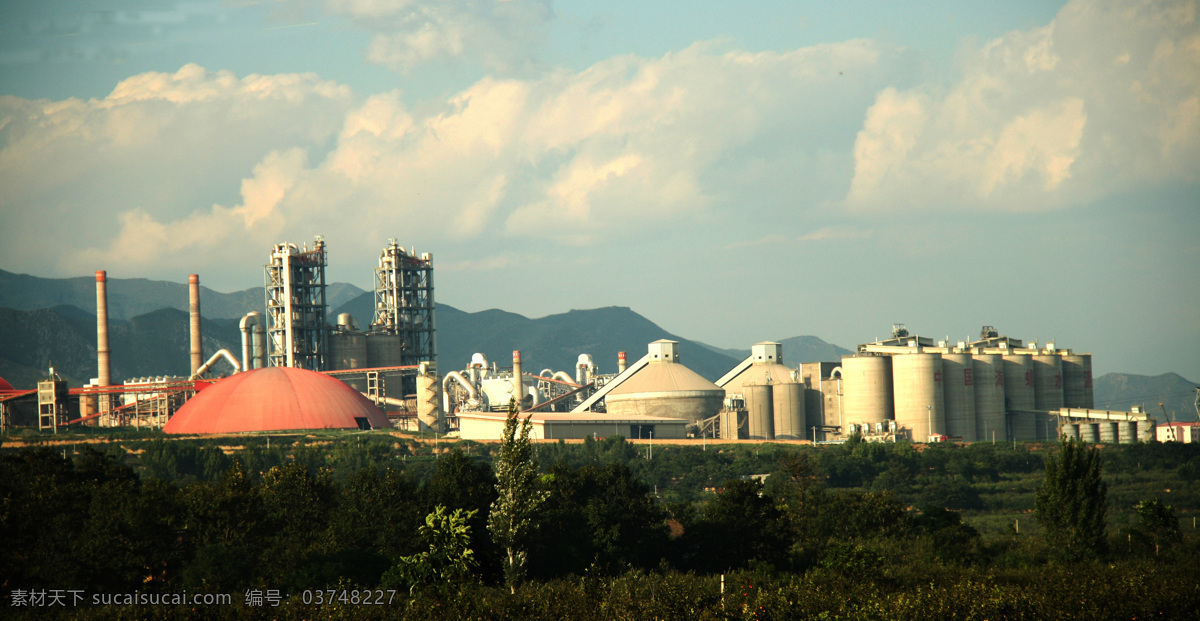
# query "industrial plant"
(297, 370)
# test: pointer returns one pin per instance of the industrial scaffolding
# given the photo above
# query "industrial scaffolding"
(404, 303)
(295, 289)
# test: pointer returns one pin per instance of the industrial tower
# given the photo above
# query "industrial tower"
(295, 288)
(404, 303)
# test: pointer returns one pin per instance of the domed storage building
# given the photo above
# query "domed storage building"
(665, 388)
(774, 398)
(276, 399)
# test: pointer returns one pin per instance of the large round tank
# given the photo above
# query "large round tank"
(1127, 432)
(760, 405)
(1088, 432)
(1077, 381)
(958, 381)
(867, 389)
(347, 350)
(1108, 433)
(664, 387)
(989, 396)
(788, 410)
(1047, 382)
(917, 380)
(1019, 396)
(383, 350)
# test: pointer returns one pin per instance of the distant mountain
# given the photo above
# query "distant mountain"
(553, 342)
(130, 297)
(1120, 391)
(796, 350)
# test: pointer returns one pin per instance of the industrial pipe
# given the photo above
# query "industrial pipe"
(221, 353)
(253, 345)
(563, 377)
(517, 383)
(194, 321)
(456, 376)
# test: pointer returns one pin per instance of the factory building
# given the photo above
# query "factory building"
(556, 426)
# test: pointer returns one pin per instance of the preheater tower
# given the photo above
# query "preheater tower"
(295, 288)
(404, 305)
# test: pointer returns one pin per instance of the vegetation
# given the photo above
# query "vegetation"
(852, 531)
(1072, 503)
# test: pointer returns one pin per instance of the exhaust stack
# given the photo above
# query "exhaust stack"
(518, 386)
(621, 364)
(103, 370)
(194, 321)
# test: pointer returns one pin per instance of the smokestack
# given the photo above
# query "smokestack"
(620, 362)
(518, 385)
(194, 320)
(103, 371)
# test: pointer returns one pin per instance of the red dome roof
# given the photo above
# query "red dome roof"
(5, 385)
(275, 399)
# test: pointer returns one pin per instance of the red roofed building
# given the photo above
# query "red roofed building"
(1178, 432)
(276, 399)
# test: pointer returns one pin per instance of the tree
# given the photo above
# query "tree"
(1158, 522)
(1072, 503)
(449, 559)
(517, 496)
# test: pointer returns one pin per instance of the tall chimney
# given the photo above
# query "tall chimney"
(194, 321)
(620, 362)
(518, 385)
(103, 371)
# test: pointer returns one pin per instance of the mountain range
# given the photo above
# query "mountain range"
(43, 322)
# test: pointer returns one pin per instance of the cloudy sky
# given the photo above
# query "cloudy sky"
(735, 172)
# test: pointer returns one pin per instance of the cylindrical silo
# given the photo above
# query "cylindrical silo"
(347, 350)
(1127, 432)
(760, 405)
(1071, 431)
(958, 381)
(1077, 381)
(989, 396)
(1088, 432)
(383, 350)
(788, 410)
(920, 406)
(1047, 391)
(1019, 396)
(1108, 432)
(867, 388)
(814, 414)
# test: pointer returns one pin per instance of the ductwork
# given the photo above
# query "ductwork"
(563, 377)
(458, 377)
(221, 353)
(197, 350)
(253, 345)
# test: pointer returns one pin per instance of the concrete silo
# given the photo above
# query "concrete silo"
(1077, 381)
(867, 389)
(958, 380)
(1047, 393)
(761, 408)
(1019, 396)
(989, 396)
(786, 395)
(920, 407)
(788, 410)
(666, 388)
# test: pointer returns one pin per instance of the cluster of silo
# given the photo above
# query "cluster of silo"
(774, 397)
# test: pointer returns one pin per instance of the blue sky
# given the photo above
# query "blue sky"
(735, 172)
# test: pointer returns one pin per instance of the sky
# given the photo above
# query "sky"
(735, 172)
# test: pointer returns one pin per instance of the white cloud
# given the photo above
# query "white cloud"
(500, 35)
(1105, 98)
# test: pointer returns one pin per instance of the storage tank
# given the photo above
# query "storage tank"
(1108, 433)
(347, 350)
(383, 350)
(1127, 432)
(788, 410)
(664, 387)
(1047, 391)
(1019, 396)
(917, 380)
(1088, 433)
(1071, 431)
(760, 405)
(1077, 381)
(867, 389)
(767, 368)
(989, 396)
(958, 381)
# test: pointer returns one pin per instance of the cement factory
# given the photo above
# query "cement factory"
(297, 370)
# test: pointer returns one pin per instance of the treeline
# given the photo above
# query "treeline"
(824, 535)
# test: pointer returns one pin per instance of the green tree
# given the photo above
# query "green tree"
(1158, 522)
(1072, 504)
(517, 496)
(449, 560)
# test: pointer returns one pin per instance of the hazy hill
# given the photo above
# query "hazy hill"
(796, 350)
(1120, 391)
(130, 297)
(553, 342)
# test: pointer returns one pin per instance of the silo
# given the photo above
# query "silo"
(347, 350)
(788, 410)
(1019, 396)
(867, 388)
(759, 404)
(917, 380)
(1087, 432)
(958, 381)
(1071, 431)
(1047, 391)
(814, 413)
(989, 396)
(1108, 432)
(1127, 432)
(1145, 431)
(1077, 381)
(383, 350)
